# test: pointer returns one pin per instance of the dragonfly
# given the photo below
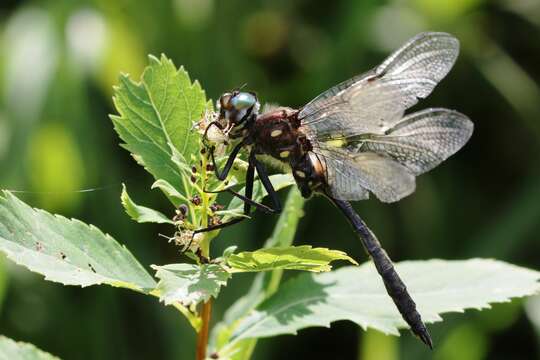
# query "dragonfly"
(353, 140)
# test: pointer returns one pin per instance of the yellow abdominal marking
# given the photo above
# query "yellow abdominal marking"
(336, 143)
(276, 133)
(300, 174)
(284, 154)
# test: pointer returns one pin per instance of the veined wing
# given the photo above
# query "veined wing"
(352, 176)
(420, 141)
(414, 145)
(374, 101)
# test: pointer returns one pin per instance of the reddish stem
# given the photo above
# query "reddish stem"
(202, 336)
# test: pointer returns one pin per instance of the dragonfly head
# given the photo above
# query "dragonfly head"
(236, 107)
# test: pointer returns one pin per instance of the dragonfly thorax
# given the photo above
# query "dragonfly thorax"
(278, 134)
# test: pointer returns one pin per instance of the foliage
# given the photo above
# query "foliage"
(142, 214)
(265, 283)
(189, 284)
(66, 251)
(12, 350)
(156, 117)
(157, 124)
(287, 258)
(356, 294)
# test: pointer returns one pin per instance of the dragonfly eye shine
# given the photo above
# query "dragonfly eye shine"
(238, 107)
(243, 100)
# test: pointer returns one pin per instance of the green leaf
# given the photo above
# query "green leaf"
(283, 235)
(170, 191)
(12, 350)
(285, 229)
(302, 257)
(264, 284)
(229, 251)
(189, 284)
(357, 294)
(142, 214)
(66, 251)
(157, 116)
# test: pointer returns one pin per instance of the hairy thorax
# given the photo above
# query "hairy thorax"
(278, 134)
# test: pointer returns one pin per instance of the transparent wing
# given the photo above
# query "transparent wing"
(374, 101)
(419, 141)
(351, 176)
(387, 164)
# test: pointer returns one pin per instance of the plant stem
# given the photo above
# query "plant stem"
(283, 234)
(206, 312)
(273, 283)
(202, 336)
(205, 243)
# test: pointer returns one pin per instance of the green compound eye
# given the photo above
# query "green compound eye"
(243, 100)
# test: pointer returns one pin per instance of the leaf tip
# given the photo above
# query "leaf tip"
(153, 60)
(123, 77)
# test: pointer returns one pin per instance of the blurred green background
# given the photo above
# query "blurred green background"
(59, 60)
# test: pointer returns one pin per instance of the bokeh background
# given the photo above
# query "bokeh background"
(59, 60)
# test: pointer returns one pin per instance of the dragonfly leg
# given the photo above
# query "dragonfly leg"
(250, 178)
(263, 175)
(222, 175)
(250, 175)
(264, 208)
(392, 282)
(213, 123)
(248, 195)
